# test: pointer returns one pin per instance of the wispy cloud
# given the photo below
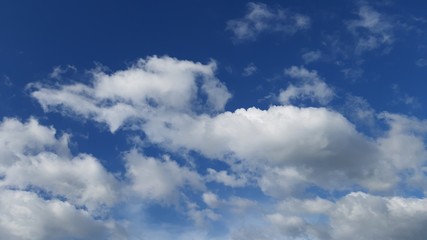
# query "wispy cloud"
(371, 29)
(310, 86)
(260, 18)
(249, 70)
(311, 56)
(58, 71)
(422, 62)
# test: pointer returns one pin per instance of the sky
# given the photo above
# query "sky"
(213, 120)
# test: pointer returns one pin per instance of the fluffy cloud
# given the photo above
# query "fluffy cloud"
(310, 87)
(24, 215)
(159, 179)
(293, 148)
(45, 192)
(355, 216)
(34, 157)
(260, 18)
(225, 178)
(363, 216)
(155, 82)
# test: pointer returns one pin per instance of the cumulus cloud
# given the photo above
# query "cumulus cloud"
(165, 82)
(293, 148)
(225, 178)
(363, 216)
(159, 179)
(25, 215)
(260, 18)
(283, 150)
(45, 192)
(355, 216)
(310, 87)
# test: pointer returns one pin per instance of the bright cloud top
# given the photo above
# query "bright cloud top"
(295, 148)
(136, 92)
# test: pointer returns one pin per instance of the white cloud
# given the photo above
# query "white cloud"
(292, 146)
(404, 142)
(45, 192)
(372, 29)
(283, 149)
(310, 87)
(225, 178)
(240, 205)
(249, 70)
(159, 180)
(31, 138)
(261, 18)
(359, 110)
(312, 206)
(355, 216)
(114, 99)
(311, 56)
(31, 156)
(58, 71)
(81, 180)
(211, 199)
(24, 215)
(363, 216)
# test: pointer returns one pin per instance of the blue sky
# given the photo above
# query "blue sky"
(213, 120)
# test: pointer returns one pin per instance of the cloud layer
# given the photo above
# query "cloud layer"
(284, 151)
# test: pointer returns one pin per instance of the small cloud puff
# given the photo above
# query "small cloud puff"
(261, 18)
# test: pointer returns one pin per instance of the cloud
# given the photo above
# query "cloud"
(294, 147)
(249, 70)
(363, 216)
(24, 215)
(421, 62)
(225, 178)
(355, 216)
(310, 87)
(311, 56)
(75, 185)
(159, 180)
(359, 110)
(6, 81)
(45, 192)
(210, 199)
(58, 71)
(372, 29)
(353, 74)
(401, 97)
(260, 18)
(165, 82)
